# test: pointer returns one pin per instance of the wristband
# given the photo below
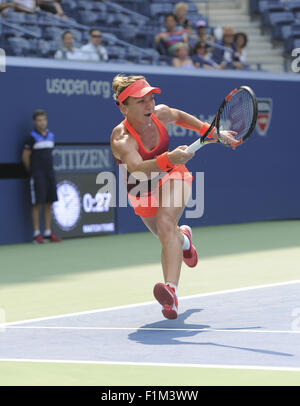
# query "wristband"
(204, 128)
(163, 163)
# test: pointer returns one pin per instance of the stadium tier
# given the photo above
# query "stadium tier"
(129, 30)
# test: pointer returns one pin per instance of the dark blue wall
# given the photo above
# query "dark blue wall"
(258, 181)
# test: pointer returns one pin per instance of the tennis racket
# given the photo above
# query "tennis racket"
(233, 123)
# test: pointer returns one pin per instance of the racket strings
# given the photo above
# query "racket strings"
(237, 116)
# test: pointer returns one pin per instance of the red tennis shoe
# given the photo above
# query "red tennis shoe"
(52, 238)
(38, 239)
(190, 256)
(166, 296)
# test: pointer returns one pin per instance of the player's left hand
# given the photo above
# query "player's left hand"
(227, 137)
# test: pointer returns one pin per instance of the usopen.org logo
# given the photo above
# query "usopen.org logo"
(265, 107)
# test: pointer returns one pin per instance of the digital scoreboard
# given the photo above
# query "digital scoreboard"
(84, 207)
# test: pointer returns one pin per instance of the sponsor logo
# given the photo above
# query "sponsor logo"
(265, 107)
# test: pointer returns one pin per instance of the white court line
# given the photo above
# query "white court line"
(153, 364)
(220, 292)
(153, 329)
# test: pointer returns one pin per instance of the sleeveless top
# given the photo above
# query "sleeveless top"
(161, 147)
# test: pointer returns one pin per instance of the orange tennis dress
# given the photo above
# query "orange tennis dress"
(143, 195)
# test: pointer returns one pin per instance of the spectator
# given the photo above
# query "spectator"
(202, 35)
(26, 6)
(37, 158)
(180, 11)
(192, 37)
(172, 34)
(182, 58)
(94, 51)
(201, 58)
(4, 5)
(21, 6)
(68, 51)
(225, 56)
(52, 6)
(241, 41)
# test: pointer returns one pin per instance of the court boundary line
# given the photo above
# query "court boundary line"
(216, 330)
(220, 292)
(153, 364)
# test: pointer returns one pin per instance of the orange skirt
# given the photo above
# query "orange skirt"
(146, 206)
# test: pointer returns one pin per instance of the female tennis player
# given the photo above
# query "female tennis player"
(158, 182)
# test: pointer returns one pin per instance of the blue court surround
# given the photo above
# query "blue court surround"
(257, 182)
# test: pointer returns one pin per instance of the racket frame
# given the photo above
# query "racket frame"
(216, 122)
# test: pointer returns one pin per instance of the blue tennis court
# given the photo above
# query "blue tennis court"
(249, 327)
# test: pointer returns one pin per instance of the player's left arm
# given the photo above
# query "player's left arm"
(168, 115)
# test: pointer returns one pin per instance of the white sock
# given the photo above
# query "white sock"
(47, 233)
(172, 286)
(36, 233)
(186, 243)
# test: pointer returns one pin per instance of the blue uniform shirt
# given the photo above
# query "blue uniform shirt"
(42, 146)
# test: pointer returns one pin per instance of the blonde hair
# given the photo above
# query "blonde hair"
(180, 5)
(121, 82)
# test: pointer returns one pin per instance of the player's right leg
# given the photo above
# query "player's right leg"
(38, 197)
(37, 237)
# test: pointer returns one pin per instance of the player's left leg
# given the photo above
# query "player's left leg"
(173, 197)
(51, 197)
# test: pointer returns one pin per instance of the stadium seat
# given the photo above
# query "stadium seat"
(76, 34)
(159, 9)
(35, 30)
(53, 33)
(128, 32)
(266, 8)
(11, 32)
(96, 6)
(84, 5)
(46, 49)
(270, 5)
(15, 17)
(121, 19)
(279, 19)
(87, 17)
(133, 54)
(151, 56)
(192, 8)
(109, 38)
(69, 6)
(116, 52)
(194, 17)
(122, 61)
(31, 19)
(291, 33)
(296, 43)
(19, 46)
(293, 6)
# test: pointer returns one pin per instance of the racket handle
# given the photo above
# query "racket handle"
(195, 146)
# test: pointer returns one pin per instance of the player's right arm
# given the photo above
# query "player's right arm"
(27, 151)
(125, 148)
(26, 158)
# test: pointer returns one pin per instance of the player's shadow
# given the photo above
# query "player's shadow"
(174, 332)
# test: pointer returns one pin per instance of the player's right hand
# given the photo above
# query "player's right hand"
(179, 155)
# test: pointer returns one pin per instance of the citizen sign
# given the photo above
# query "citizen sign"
(81, 159)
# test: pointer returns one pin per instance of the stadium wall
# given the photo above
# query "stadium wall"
(258, 181)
